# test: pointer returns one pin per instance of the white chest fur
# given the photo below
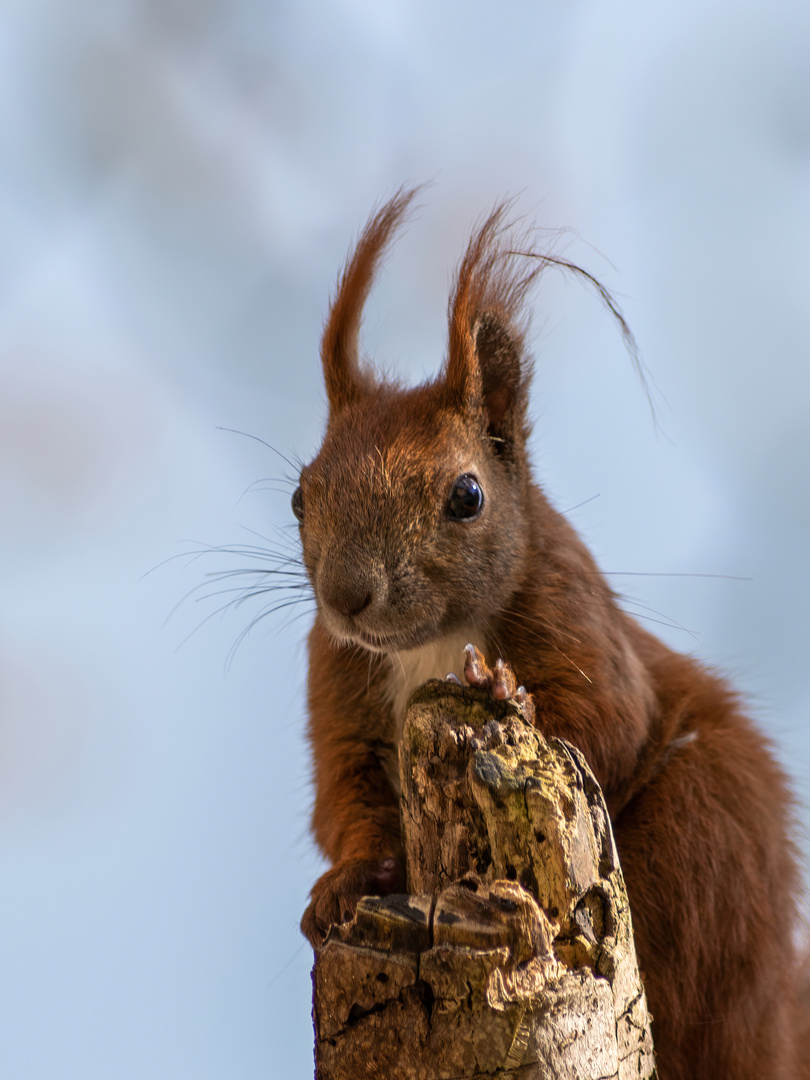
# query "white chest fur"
(433, 661)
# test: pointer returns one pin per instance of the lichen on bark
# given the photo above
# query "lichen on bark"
(512, 955)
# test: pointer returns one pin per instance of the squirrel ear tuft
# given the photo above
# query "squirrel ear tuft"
(340, 351)
(486, 369)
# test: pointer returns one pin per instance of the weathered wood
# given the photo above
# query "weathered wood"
(512, 956)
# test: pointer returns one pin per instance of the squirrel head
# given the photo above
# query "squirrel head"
(412, 514)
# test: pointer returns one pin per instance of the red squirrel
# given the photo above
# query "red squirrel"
(423, 530)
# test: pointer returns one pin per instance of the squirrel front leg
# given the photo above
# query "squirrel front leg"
(355, 819)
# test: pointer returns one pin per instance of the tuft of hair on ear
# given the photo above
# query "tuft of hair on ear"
(487, 368)
(340, 351)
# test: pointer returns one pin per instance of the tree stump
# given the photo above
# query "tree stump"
(512, 955)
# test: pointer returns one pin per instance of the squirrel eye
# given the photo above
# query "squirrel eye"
(297, 503)
(466, 498)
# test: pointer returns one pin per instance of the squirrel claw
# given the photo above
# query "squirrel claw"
(500, 680)
(476, 671)
(335, 894)
(504, 682)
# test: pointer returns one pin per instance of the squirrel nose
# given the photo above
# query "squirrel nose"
(349, 600)
(346, 586)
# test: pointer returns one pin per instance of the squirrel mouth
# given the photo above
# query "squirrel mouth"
(390, 643)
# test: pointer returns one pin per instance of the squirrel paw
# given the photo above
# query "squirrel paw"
(499, 680)
(335, 894)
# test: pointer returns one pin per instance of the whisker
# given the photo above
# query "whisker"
(571, 662)
(243, 634)
(251, 551)
(579, 505)
(281, 536)
(246, 592)
(298, 582)
(529, 622)
(653, 573)
(662, 620)
(218, 575)
(201, 624)
(247, 435)
(244, 552)
(269, 483)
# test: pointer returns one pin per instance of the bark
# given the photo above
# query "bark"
(512, 955)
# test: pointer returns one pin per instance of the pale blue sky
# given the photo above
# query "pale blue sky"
(179, 183)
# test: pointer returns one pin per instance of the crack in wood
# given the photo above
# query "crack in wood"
(475, 976)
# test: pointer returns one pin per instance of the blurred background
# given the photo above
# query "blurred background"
(180, 182)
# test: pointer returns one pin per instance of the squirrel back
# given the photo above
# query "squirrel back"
(422, 529)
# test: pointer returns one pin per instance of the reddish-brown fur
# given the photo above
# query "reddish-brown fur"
(701, 811)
